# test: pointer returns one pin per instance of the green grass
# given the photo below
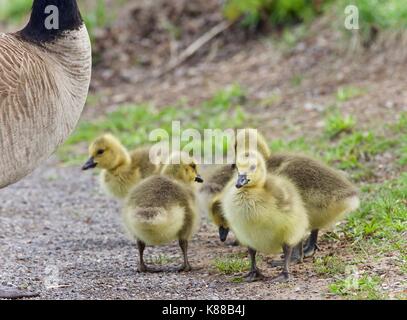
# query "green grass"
(132, 124)
(161, 260)
(354, 287)
(297, 80)
(329, 265)
(382, 219)
(352, 152)
(232, 264)
(276, 12)
(347, 147)
(379, 14)
(337, 124)
(401, 130)
(99, 17)
(349, 92)
(271, 100)
(14, 11)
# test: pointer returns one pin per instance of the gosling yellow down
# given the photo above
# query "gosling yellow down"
(245, 139)
(327, 194)
(162, 208)
(265, 211)
(121, 169)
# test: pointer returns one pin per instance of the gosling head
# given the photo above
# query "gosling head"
(106, 152)
(183, 167)
(251, 140)
(251, 168)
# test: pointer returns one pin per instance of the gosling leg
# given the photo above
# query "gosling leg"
(184, 247)
(311, 246)
(254, 274)
(142, 266)
(297, 256)
(284, 276)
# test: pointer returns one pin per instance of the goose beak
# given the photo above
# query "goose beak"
(242, 181)
(90, 164)
(223, 233)
(199, 179)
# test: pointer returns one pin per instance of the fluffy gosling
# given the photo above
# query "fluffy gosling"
(327, 194)
(265, 212)
(162, 208)
(218, 180)
(121, 169)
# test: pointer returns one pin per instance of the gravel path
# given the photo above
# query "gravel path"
(61, 237)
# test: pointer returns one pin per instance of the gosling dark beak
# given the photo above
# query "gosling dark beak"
(90, 164)
(223, 233)
(199, 179)
(242, 181)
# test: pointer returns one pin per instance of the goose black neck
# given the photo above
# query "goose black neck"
(38, 28)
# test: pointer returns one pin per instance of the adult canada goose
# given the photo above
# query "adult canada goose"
(45, 72)
(265, 211)
(162, 208)
(121, 169)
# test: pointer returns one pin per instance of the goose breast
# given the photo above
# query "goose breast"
(43, 90)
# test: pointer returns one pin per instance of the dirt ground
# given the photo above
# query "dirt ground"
(62, 237)
(60, 231)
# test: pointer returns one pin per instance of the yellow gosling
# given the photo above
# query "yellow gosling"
(121, 169)
(162, 208)
(265, 212)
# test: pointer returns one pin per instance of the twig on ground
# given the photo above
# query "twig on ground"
(195, 46)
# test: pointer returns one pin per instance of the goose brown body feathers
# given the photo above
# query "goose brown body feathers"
(44, 83)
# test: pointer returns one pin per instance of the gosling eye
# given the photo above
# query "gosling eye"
(100, 152)
(253, 167)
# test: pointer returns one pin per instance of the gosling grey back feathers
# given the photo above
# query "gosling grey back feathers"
(160, 191)
(218, 179)
(314, 179)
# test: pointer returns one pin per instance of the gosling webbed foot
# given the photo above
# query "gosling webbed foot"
(280, 263)
(310, 250)
(185, 268)
(282, 277)
(14, 293)
(254, 275)
(296, 257)
(142, 268)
